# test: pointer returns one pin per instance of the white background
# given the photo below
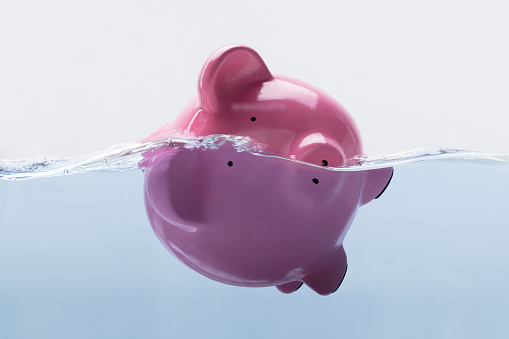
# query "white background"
(76, 77)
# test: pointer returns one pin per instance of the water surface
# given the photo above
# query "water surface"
(78, 259)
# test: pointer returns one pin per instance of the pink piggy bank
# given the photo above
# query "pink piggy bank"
(250, 220)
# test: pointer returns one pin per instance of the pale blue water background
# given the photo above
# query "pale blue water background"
(429, 259)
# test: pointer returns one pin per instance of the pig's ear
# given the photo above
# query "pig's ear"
(227, 71)
(377, 181)
(173, 189)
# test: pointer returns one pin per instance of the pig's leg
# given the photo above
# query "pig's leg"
(328, 274)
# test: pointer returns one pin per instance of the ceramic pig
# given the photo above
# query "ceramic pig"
(251, 220)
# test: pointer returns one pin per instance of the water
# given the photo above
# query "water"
(117, 158)
(78, 259)
(128, 157)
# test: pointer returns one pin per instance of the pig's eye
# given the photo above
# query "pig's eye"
(230, 163)
(315, 180)
(325, 163)
(253, 119)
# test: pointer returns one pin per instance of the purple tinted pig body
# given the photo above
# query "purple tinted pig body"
(248, 220)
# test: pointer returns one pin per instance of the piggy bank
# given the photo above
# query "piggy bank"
(250, 220)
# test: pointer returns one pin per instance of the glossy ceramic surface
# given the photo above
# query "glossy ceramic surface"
(247, 220)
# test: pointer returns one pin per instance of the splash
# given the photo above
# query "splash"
(127, 157)
(118, 158)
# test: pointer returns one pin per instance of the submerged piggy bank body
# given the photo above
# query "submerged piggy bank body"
(250, 220)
